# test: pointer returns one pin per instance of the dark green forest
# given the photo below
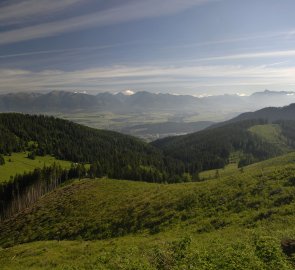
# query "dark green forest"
(211, 148)
(111, 154)
(121, 156)
(125, 157)
(23, 190)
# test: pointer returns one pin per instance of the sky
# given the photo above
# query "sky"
(197, 47)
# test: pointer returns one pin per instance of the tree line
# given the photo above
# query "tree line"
(211, 148)
(23, 190)
(116, 155)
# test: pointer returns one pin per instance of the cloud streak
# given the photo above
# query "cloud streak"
(100, 79)
(269, 35)
(18, 12)
(281, 54)
(135, 10)
(59, 51)
(268, 54)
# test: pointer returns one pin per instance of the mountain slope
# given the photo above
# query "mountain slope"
(103, 208)
(243, 216)
(117, 155)
(273, 134)
(211, 148)
(271, 114)
(19, 163)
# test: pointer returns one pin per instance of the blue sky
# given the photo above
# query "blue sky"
(179, 46)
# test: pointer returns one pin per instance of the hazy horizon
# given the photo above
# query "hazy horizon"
(129, 92)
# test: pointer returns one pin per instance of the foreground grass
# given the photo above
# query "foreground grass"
(230, 248)
(233, 222)
(18, 163)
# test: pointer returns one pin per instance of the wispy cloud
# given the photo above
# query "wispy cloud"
(281, 54)
(264, 35)
(17, 12)
(115, 77)
(135, 10)
(80, 49)
(267, 54)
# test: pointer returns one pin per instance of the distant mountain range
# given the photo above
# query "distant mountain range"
(60, 101)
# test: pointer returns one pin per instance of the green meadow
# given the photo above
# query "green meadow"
(18, 163)
(236, 221)
(271, 133)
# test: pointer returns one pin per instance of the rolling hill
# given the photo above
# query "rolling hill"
(245, 216)
(270, 114)
(101, 223)
(19, 163)
(212, 148)
(65, 148)
(122, 156)
(252, 136)
(118, 155)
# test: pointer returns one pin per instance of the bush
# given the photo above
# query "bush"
(32, 155)
(269, 252)
(2, 160)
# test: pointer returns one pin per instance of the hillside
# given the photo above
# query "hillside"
(243, 213)
(212, 148)
(65, 148)
(121, 156)
(273, 134)
(18, 163)
(270, 114)
(116, 155)
(243, 216)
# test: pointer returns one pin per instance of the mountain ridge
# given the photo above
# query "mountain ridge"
(65, 101)
(270, 114)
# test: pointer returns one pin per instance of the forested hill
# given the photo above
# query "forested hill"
(270, 114)
(211, 148)
(116, 155)
(121, 156)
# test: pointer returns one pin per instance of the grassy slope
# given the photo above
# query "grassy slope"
(19, 163)
(212, 174)
(229, 169)
(272, 133)
(234, 222)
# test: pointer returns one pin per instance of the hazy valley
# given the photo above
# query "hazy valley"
(146, 115)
